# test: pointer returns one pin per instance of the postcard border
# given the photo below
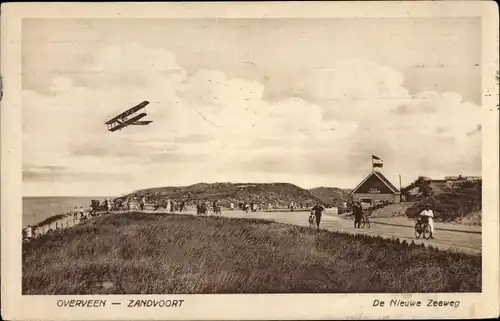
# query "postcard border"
(251, 306)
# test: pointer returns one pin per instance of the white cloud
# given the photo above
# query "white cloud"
(208, 127)
(354, 80)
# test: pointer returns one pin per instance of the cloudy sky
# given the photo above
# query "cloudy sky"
(305, 101)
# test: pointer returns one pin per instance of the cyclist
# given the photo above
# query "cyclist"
(318, 210)
(428, 215)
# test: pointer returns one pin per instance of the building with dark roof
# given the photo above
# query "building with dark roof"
(376, 188)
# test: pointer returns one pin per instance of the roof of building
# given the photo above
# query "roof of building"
(382, 178)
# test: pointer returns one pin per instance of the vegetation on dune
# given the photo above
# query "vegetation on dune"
(453, 206)
(471, 219)
(422, 187)
(276, 194)
(140, 253)
(331, 195)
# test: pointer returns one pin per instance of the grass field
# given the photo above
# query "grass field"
(156, 254)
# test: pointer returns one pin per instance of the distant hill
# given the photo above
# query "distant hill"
(330, 195)
(277, 194)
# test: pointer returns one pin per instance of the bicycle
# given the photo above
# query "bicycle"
(311, 220)
(365, 222)
(216, 210)
(422, 228)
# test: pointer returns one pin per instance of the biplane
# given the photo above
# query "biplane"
(129, 117)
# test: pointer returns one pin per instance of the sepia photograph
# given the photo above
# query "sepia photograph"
(252, 155)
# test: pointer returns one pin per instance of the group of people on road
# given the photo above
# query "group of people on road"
(170, 206)
(292, 206)
(32, 232)
(106, 205)
(426, 215)
(249, 207)
(202, 208)
(78, 213)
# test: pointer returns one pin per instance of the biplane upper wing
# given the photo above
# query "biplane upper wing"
(128, 122)
(128, 112)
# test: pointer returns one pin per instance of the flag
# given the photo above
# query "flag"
(377, 162)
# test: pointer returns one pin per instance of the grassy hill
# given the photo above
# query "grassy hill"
(277, 194)
(330, 195)
(160, 254)
(461, 203)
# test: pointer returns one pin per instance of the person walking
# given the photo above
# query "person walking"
(143, 202)
(168, 208)
(357, 210)
(318, 210)
(29, 232)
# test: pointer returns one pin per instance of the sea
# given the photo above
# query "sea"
(36, 209)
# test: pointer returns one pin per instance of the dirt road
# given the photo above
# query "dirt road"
(447, 236)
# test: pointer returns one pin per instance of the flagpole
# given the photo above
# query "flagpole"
(402, 198)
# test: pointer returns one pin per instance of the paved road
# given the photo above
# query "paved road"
(463, 241)
(468, 241)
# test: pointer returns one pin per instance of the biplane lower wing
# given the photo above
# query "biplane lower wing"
(128, 122)
(142, 122)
